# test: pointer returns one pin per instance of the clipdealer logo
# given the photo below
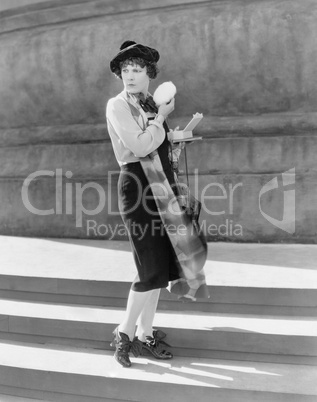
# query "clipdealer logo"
(287, 223)
(64, 195)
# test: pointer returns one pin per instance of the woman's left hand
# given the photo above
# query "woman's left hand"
(179, 145)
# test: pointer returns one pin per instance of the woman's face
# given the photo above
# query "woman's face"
(135, 78)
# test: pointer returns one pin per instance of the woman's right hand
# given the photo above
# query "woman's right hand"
(166, 108)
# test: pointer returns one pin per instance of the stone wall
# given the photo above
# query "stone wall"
(10, 5)
(249, 66)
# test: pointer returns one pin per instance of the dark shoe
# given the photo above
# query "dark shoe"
(123, 346)
(154, 345)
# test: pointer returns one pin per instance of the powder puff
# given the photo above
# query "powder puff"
(164, 93)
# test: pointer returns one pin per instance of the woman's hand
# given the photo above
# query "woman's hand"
(179, 145)
(166, 108)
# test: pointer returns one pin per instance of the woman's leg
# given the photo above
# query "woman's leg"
(145, 324)
(152, 343)
(137, 301)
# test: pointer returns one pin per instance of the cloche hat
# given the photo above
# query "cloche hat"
(132, 49)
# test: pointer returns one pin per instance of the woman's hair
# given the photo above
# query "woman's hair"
(151, 67)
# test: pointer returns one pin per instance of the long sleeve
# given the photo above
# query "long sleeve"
(129, 134)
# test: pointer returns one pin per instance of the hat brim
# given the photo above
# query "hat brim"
(137, 50)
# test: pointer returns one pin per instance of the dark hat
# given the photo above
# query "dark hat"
(132, 49)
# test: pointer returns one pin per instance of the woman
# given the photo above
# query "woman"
(149, 206)
(137, 128)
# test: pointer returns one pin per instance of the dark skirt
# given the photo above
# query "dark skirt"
(152, 251)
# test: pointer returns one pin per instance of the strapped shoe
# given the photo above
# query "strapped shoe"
(154, 345)
(123, 346)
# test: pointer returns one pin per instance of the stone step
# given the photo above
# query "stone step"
(223, 299)
(282, 339)
(69, 375)
(242, 278)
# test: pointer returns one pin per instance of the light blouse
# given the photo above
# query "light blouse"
(133, 136)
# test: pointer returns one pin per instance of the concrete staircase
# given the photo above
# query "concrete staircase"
(254, 340)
